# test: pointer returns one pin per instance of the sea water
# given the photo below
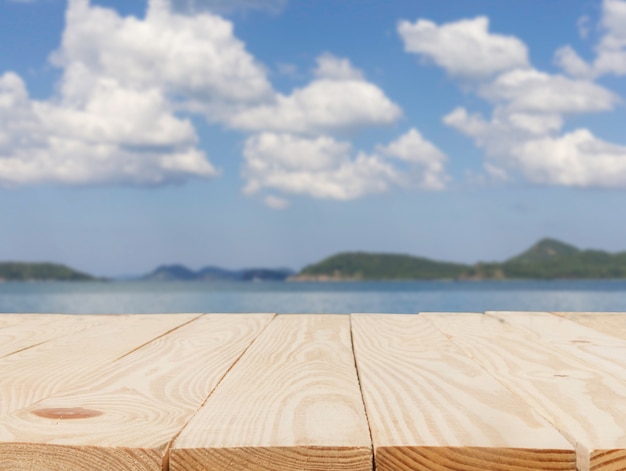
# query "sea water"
(315, 297)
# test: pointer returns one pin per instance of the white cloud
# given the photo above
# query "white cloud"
(571, 63)
(529, 90)
(276, 202)
(575, 159)
(338, 100)
(464, 48)
(427, 171)
(320, 167)
(115, 118)
(194, 58)
(323, 167)
(332, 67)
(610, 51)
(50, 142)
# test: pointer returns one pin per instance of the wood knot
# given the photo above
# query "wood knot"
(67, 413)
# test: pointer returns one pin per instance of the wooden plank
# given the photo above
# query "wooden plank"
(587, 344)
(126, 417)
(585, 404)
(430, 407)
(31, 375)
(29, 330)
(292, 402)
(8, 319)
(611, 323)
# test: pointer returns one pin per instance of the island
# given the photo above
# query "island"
(211, 273)
(547, 259)
(22, 271)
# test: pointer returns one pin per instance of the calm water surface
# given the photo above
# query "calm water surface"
(345, 297)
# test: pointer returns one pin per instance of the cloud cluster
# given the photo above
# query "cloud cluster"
(610, 51)
(324, 167)
(50, 142)
(116, 117)
(296, 150)
(524, 135)
(464, 48)
(130, 86)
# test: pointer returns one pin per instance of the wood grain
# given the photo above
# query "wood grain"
(599, 350)
(30, 330)
(430, 407)
(31, 375)
(126, 417)
(292, 402)
(585, 404)
(611, 323)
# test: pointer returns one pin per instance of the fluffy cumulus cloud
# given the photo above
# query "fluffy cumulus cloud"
(324, 167)
(117, 115)
(576, 159)
(54, 142)
(531, 91)
(196, 59)
(610, 51)
(339, 99)
(426, 161)
(295, 149)
(464, 48)
(523, 136)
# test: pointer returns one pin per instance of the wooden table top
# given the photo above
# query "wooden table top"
(507, 391)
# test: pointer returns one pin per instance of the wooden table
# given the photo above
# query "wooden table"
(435, 391)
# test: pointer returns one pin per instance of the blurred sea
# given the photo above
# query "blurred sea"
(301, 297)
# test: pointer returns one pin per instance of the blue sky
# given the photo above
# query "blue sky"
(277, 132)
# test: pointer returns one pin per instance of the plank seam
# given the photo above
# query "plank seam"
(139, 347)
(26, 348)
(168, 447)
(358, 378)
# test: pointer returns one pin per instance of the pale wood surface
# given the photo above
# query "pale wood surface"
(431, 407)
(592, 346)
(137, 403)
(584, 403)
(22, 331)
(611, 323)
(444, 392)
(292, 402)
(57, 365)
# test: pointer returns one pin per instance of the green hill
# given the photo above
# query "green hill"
(547, 259)
(545, 250)
(371, 266)
(19, 271)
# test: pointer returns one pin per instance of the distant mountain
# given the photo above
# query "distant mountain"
(547, 259)
(545, 250)
(376, 266)
(210, 273)
(172, 272)
(550, 259)
(21, 271)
